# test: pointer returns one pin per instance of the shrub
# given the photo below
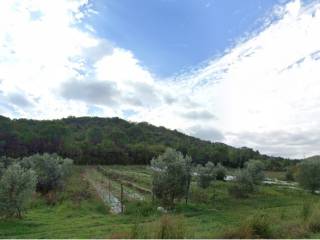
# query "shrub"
(206, 174)
(16, 187)
(220, 172)
(257, 226)
(171, 176)
(306, 210)
(5, 162)
(290, 173)
(51, 170)
(200, 195)
(140, 208)
(314, 221)
(293, 230)
(308, 176)
(243, 185)
(255, 169)
(170, 227)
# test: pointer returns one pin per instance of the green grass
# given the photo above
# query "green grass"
(79, 213)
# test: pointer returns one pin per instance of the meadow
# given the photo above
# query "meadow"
(80, 211)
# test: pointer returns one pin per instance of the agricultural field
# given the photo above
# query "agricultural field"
(90, 207)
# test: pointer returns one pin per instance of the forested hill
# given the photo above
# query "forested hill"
(93, 140)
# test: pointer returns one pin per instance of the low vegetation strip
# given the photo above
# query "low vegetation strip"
(124, 179)
(107, 197)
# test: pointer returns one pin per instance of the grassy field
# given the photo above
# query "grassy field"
(80, 212)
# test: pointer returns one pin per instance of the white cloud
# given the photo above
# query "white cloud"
(264, 88)
(268, 83)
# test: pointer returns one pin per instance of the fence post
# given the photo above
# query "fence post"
(109, 190)
(121, 198)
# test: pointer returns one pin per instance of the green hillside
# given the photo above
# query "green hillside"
(93, 140)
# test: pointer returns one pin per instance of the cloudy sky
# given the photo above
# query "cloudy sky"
(246, 73)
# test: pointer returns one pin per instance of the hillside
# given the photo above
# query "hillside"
(93, 140)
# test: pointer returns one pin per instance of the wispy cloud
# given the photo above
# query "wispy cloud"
(263, 92)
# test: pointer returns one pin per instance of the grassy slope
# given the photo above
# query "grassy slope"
(90, 219)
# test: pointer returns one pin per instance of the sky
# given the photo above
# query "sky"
(245, 73)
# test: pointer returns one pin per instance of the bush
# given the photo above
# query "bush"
(293, 230)
(308, 176)
(314, 221)
(255, 169)
(171, 176)
(51, 170)
(220, 172)
(306, 210)
(206, 174)
(200, 195)
(257, 226)
(16, 187)
(243, 185)
(170, 227)
(140, 208)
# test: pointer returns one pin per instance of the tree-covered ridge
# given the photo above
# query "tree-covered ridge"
(93, 140)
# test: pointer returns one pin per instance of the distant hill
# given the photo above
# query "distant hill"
(93, 140)
(316, 157)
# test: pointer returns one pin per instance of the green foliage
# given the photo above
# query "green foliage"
(244, 184)
(306, 210)
(314, 221)
(220, 172)
(16, 187)
(171, 176)
(206, 174)
(50, 169)
(170, 227)
(92, 140)
(255, 169)
(258, 226)
(308, 176)
(200, 195)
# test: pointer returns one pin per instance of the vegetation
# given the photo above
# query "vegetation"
(92, 140)
(83, 201)
(80, 213)
(16, 187)
(308, 176)
(206, 174)
(21, 177)
(171, 176)
(255, 170)
(220, 171)
(243, 186)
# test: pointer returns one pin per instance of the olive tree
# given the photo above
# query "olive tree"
(171, 176)
(5, 162)
(220, 172)
(16, 187)
(206, 174)
(244, 184)
(50, 169)
(255, 169)
(308, 176)
(247, 179)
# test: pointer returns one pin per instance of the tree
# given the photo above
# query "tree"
(171, 176)
(255, 169)
(4, 163)
(16, 187)
(50, 170)
(308, 176)
(206, 174)
(244, 184)
(220, 172)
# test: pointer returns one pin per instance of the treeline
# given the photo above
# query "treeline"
(93, 140)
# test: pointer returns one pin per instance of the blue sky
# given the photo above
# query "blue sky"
(170, 35)
(242, 72)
